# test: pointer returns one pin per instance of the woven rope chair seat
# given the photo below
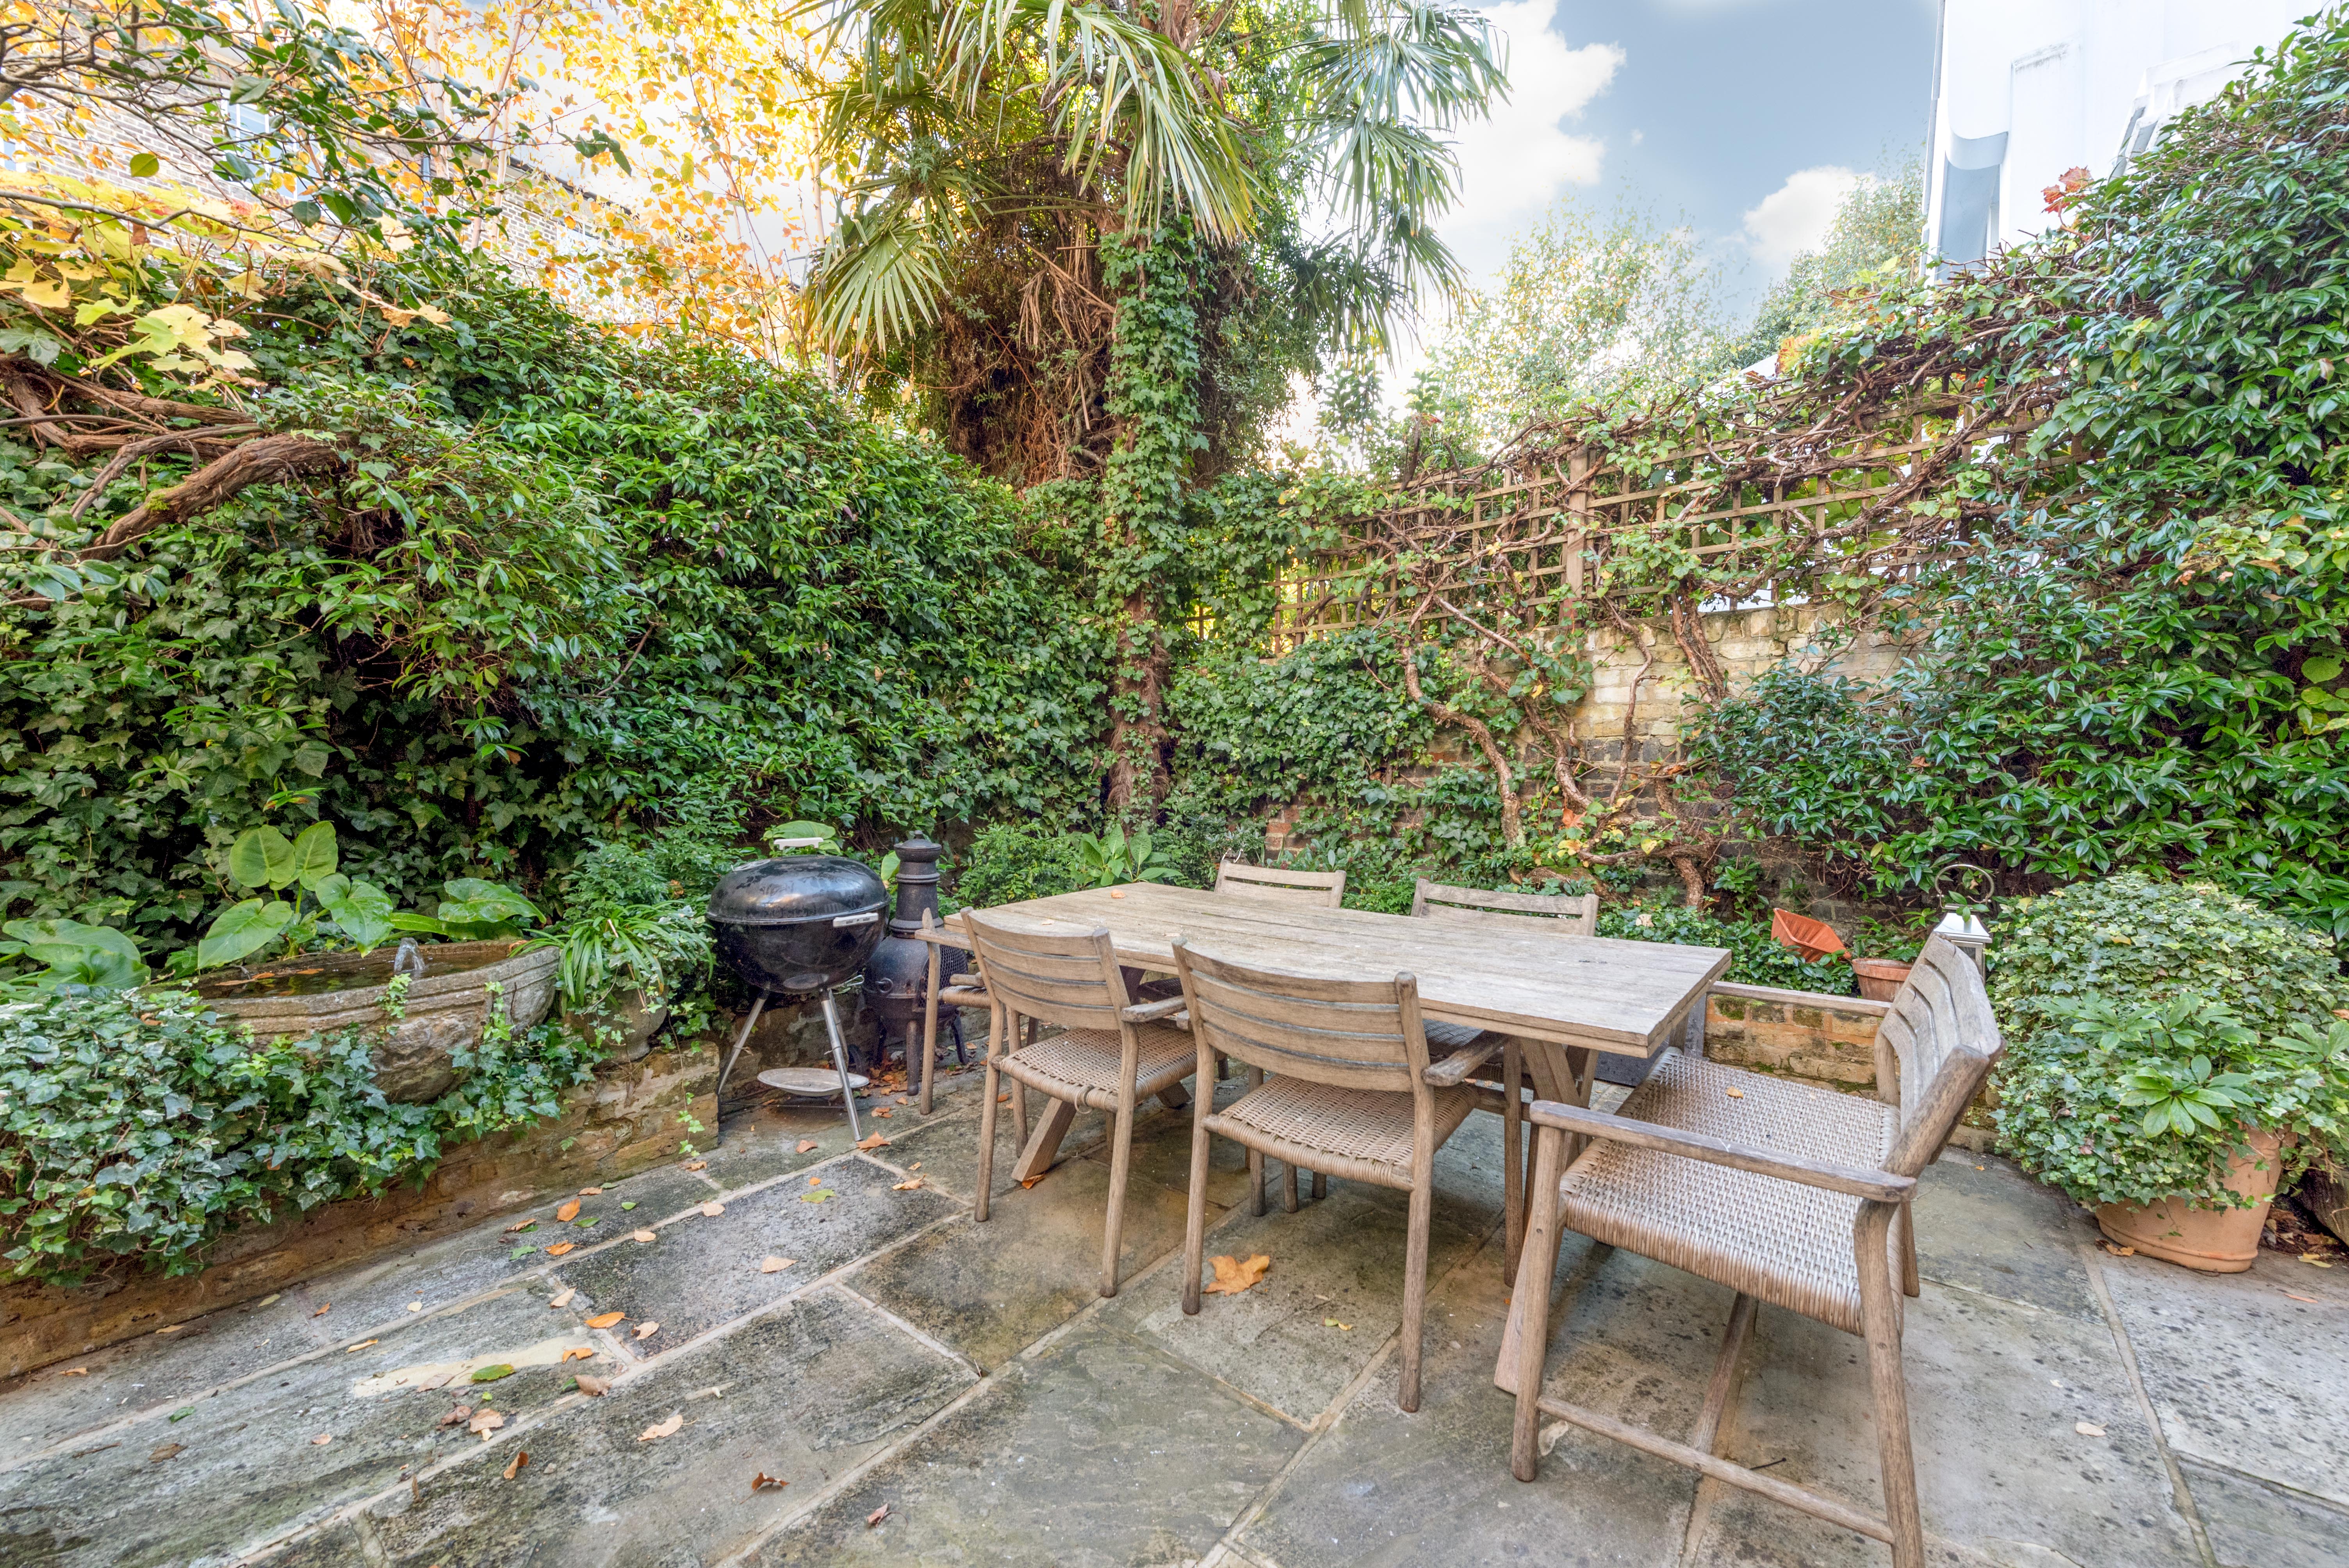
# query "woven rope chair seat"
(1777, 1239)
(1366, 1127)
(1080, 1064)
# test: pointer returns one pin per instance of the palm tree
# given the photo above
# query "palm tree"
(1031, 128)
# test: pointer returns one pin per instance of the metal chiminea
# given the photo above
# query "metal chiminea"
(896, 981)
(798, 923)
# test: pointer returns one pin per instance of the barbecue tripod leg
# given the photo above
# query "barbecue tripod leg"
(740, 1039)
(840, 1061)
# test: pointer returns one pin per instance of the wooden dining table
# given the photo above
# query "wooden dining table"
(1562, 997)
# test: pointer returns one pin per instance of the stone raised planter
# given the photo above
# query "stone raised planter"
(446, 1006)
(633, 1020)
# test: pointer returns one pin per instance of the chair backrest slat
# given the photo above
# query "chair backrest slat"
(1324, 890)
(1942, 1035)
(1361, 1033)
(1475, 905)
(1065, 977)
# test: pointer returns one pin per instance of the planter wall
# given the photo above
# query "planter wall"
(632, 1116)
(446, 1007)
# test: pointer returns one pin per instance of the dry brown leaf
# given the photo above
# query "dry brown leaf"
(165, 1452)
(324, 1307)
(646, 1329)
(712, 1208)
(643, 1236)
(876, 1516)
(2120, 1252)
(873, 1140)
(808, 1146)
(1032, 1181)
(816, 1180)
(591, 1191)
(559, 1248)
(485, 1421)
(2088, 1428)
(513, 1465)
(1233, 1276)
(520, 1226)
(2294, 1293)
(75, 1372)
(322, 1440)
(578, 1353)
(593, 1387)
(666, 1429)
(904, 1099)
(906, 1186)
(773, 1265)
(1736, 1094)
(569, 1211)
(362, 1345)
(564, 1299)
(1117, 895)
(606, 1319)
(1003, 1100)
(916, 1165)
(2319, 1259)
(696, 1164)
(455, 1416)
(882, 1111)
(762, 1482)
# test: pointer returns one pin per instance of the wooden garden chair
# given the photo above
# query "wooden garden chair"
(1561, 915)
(1324, 890)
(1784, 1192)
(1348, 1093)
(1109, 1054)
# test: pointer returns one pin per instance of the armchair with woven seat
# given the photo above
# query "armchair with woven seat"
(1109, 1055)
(1337, 1075)
(1784, 1192)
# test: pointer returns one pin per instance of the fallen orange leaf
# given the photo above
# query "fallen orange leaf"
(564, 1299)
(592, 1387)
(772, 1265)
(875, 1142)
(322, 1440)
(807, 1145)
(75, 1372)
(606, 1319)
(906, 1186)
(2297, 1296)
(559, 1248)
(485, 1422)
(323, 1309)
(568, 1212)
(696, 1164)
(642, 1236)
(579, 1353)
(362, 1345)
(666, 1429)
(876, 1516)
(712, 1208)
(591, 1191)
(514, 1466)
(646, 1329)
(1233, 1276)
(762, 1482)
(1736, 1094)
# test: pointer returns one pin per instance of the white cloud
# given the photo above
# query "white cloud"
(1796, 216)
(1514, 163)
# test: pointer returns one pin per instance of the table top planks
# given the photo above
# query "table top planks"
(1628, 997)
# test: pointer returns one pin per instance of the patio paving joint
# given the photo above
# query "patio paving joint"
(2181, 1497)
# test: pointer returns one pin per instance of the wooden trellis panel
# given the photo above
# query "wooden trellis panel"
(1542, 528)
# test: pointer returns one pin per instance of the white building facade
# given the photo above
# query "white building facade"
(2026, 89)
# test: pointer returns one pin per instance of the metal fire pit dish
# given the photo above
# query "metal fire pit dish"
(812, 1083)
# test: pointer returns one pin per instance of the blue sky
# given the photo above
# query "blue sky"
(1745, 118)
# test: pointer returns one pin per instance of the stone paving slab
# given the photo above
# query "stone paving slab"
(990, 1290)
(1097, 1451)
(1985, 1225)
(2253, 1524)
(801, 1393)
(2245, 1377)
(704, 1271)
(1995, 1393)
(1338, 1257)
(1384, 1488)
(248, 1468)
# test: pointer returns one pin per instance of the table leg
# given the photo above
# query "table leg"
(1512, 1148)
(1692, 1038)
(1044, 1143)
(930, 1028)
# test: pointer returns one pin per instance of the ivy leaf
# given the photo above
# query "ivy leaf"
(241, 929)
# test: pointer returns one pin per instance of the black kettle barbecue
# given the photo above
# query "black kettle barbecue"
(798, 923)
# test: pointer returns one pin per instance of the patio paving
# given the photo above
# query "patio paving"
(931, 1391)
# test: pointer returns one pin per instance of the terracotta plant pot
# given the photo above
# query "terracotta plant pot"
(635, 1020)
(2216, 1241)
(447, 1006)
(1880, 978)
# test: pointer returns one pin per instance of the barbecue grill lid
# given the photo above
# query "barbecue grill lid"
(796, 889)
